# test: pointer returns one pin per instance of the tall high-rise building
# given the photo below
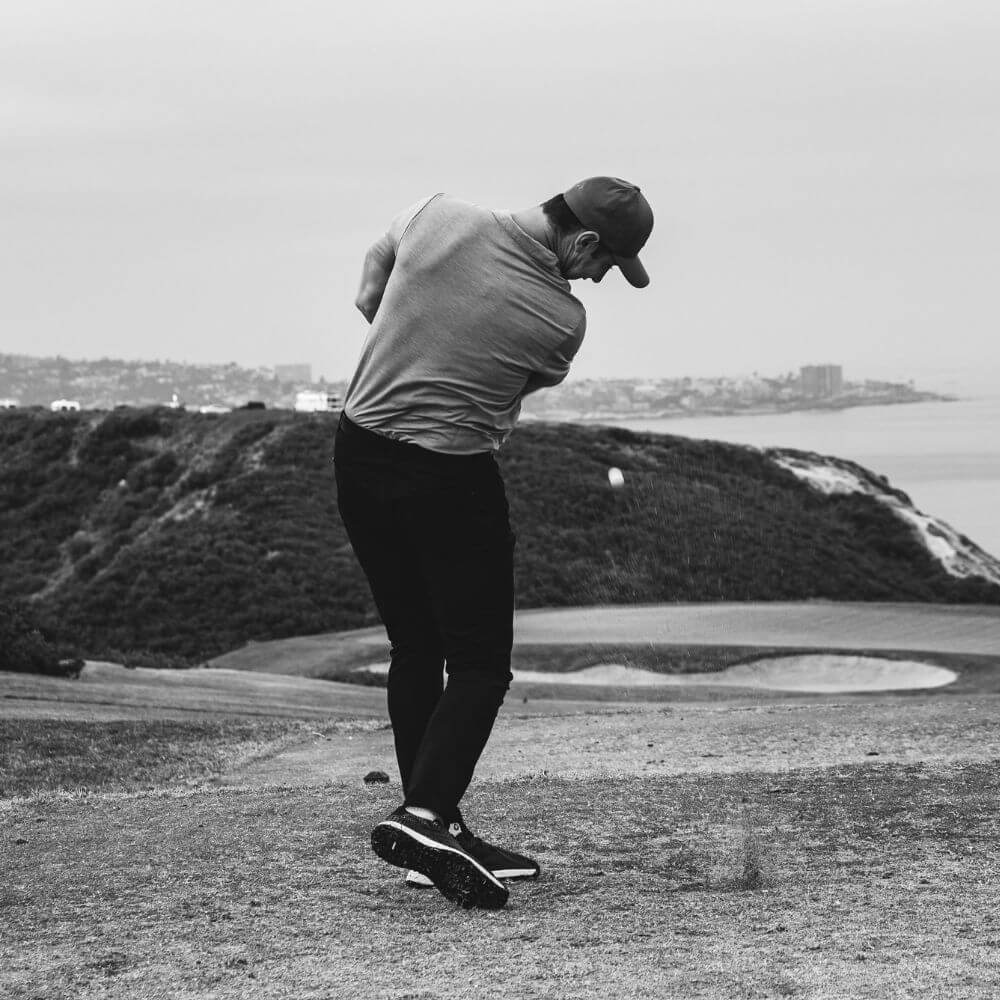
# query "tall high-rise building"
(293, 373)
(821, 381)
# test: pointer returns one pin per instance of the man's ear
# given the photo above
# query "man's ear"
(588, 239)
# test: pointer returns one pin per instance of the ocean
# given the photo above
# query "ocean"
(944, 455)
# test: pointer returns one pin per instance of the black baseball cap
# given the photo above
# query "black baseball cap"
(619, 213)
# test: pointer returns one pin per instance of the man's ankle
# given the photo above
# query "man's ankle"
(423, 813)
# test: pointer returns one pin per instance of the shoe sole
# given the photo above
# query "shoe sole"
(456, 875)
(418, 881)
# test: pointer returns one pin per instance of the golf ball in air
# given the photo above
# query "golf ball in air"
(615, 477)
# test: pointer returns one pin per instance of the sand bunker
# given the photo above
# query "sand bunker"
(815, 673)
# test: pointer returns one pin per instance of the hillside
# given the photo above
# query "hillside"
(189, 534)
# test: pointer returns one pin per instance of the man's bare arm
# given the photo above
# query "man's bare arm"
(374, 276)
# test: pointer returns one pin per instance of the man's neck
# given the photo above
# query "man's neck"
(535, 223)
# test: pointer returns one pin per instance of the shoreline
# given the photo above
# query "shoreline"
(591, 416)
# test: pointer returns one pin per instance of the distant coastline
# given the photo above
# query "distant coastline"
(107, 383)
(752, 410)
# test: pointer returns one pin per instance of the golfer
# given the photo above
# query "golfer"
(470, 310)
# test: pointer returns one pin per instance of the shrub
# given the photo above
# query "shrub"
(25, 649)
(157, 472)
(149, 659)
(79, 545)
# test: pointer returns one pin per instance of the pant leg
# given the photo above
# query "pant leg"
(415, 681)
(432, 534)
(465, 549)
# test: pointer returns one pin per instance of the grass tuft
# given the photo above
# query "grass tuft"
(752, 875)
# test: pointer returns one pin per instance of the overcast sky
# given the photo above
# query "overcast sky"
(200, 180)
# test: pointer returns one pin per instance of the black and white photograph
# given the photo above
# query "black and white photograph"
(499, 501)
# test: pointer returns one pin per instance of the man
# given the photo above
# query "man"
(470, 310)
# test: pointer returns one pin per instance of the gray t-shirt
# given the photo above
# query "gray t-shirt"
(474, 308)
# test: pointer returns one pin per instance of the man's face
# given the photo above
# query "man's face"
(584, 256)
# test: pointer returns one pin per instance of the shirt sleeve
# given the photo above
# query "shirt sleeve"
(555, 367)
(399, 225)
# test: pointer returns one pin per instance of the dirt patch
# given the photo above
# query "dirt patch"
(768, 844)
(874, 882)
(693, 738)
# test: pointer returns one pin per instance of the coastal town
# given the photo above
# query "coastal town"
(62, 384)
(812, 387)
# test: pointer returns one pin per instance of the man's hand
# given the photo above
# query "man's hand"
(374, 277)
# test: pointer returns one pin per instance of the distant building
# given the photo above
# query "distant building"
(214, 408)
(63, 405)
(293, 373)
(821, 381)
(8, 404)
(315, 402)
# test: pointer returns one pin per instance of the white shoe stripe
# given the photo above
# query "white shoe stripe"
(438, 846)
(418, 878)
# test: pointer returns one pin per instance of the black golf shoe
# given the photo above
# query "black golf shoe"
(508, 866)
(425, 846)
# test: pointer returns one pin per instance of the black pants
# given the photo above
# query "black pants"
(432, 534)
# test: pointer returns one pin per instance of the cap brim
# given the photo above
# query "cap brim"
(633, 270)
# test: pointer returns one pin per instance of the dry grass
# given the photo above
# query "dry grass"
(867, 881)
(123, 755)
(873, 879)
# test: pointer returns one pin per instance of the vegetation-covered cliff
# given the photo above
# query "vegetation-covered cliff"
(188, 534)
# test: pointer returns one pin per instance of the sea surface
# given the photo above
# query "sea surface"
(944, 455)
